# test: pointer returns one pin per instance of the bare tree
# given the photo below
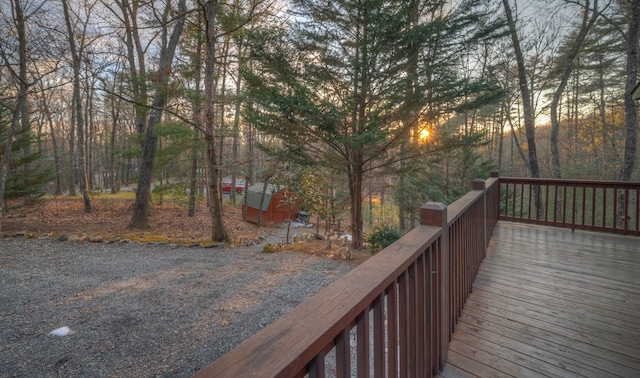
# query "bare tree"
(631, 109)
(590, 13)
(168, 44)
(218, 232)
(527, 106)
(77, 54)
(20, 109)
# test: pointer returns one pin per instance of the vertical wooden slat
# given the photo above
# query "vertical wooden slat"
(615, 209)
(343, 359)
(584, 205)
(457, 264)
(421, 303)
(412, 321)
(452, 279)
(546, 202)
(529, 205)
(555, 203)
(403, 320)
(392, 330)
(378, 337)
(363, 345)
(604, 208)
(637, 210)
(573, 212)
(317, 367)
(521, 200)
(435, 300)
(564, 204)
(469, 241)
(626, 209)
(593, 207)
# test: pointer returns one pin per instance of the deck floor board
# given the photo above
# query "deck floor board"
(549, 302)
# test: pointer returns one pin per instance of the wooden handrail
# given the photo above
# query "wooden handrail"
(608, 206)
(401, 305)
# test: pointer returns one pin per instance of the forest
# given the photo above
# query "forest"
(354, 104)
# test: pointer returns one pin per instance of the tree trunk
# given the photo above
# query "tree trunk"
(218, 232)
(140, 217)
(355, 193)
(527, 107)
(113, 171)
(54, 140)
(587, 22)
(529, 118)
(236, 127)
(20, 103)
(197, 116)
(81, 163)
(631, 110)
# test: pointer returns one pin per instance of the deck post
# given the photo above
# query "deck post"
(435, 214)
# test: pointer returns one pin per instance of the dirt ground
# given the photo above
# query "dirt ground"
(63, 218)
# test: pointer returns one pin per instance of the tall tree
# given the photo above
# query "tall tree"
(168, 45)
(19, 111)
(333, 88)
(218, 232)
(565, 65)
(527, 106)
(631, 110)
(76, 64)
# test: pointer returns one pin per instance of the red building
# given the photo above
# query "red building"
(278, 206)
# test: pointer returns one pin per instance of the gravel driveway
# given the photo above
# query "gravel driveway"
(138, 310)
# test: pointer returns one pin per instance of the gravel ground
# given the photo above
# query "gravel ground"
(140, 310)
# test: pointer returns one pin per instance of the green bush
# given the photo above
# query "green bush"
(381, 236)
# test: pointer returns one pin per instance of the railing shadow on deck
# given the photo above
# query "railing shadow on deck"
(391, 316)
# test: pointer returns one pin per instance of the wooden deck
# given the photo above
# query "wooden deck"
(550, 302)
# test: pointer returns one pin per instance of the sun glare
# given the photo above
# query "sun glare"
(424, 135)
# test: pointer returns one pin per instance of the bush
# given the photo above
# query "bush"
(382, 236)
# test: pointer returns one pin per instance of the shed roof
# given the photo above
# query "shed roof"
(254, 193)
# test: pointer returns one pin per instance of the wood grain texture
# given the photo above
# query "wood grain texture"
(550, 302)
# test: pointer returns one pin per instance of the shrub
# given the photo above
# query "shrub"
(382, 236)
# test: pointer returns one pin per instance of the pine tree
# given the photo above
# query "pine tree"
(334, 88)
(24, 179)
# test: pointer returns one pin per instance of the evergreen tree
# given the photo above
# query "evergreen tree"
(348, 82)
(24, 179)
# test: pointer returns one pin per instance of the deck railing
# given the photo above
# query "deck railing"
(391, 316)
(609, 206)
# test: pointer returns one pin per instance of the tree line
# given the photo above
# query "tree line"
(348, 100)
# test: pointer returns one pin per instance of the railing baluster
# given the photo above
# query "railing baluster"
(604, 208)
(317, 367)
(362, 349)
(521, 200)
(435, 334)
(403, 321)
(421, 314)
(626, 208)
(412, 321)
(378, 337)
(343, 356)
(637, 211)
(392, 330)
(529, 204)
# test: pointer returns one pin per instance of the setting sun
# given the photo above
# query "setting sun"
(424, 135)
